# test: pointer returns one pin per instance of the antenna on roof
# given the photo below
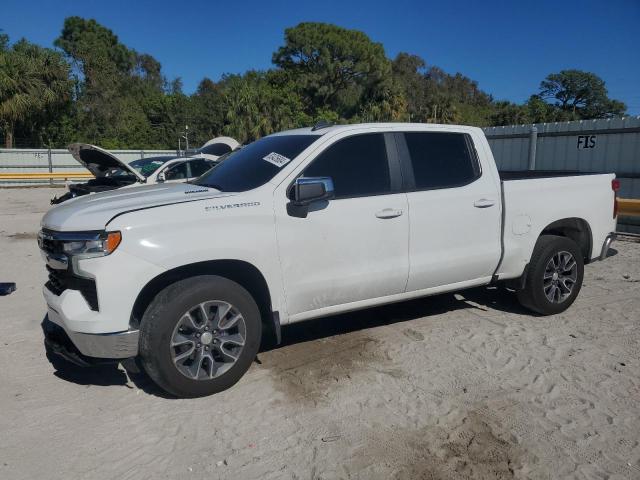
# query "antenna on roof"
(321, 124)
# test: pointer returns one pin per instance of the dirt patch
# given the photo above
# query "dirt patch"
(23, 236)
(311, 371)
(466, 448)
(473, 449)
(413, 334)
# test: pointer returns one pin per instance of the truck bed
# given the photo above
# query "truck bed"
(540, 198)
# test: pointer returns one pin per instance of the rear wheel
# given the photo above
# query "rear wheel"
(554, 277)
(199, 336)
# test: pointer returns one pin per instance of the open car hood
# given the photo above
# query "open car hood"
(100, 162)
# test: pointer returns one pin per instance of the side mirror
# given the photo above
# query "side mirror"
(307, 190)
(161, 178)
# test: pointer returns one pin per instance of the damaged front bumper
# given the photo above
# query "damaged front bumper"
(87, 349)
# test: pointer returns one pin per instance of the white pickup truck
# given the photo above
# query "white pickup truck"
(304, 224)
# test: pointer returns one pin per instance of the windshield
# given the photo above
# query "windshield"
(255, 164)
(146, 166)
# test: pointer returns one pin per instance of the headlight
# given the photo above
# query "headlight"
(99, 246)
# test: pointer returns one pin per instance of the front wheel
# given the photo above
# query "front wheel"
(554, 277)
(199, 336)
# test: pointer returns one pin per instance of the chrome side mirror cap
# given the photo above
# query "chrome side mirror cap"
(307, 190)
(309, 193)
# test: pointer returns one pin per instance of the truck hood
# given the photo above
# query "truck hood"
(94, 211)
(100, 162)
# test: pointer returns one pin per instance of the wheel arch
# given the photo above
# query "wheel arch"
(576, 229)
(244, 273)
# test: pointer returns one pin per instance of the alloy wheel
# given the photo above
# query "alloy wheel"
(207, 340)
(560, 276)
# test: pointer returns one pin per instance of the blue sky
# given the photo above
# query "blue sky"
(508, 47)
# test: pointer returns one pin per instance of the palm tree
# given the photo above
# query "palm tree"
(32, 79)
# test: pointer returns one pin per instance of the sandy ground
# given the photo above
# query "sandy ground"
(455, 386)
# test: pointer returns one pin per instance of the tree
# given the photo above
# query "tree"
(119, 91)
(582, 94)
(207, 107)
(409, 73)
(94, 49)
(4, 41)
(508, 113)
(33, 82)
(104, 92)
(256, 104)
(333, 67)
(539, 111)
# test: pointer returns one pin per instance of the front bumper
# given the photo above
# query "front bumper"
(62, 341)
(606, 245)
(92, 299)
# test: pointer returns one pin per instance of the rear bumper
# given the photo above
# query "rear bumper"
(606, 245)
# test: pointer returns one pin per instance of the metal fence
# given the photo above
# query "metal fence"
(603, 145)
(22, 160)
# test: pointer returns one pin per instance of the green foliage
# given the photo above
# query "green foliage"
(34, 83)
(96, 89)
(4, 41)
(94, 49)
(119, 92)
(257, 104)
(580, 95)
(437, 97)
(333, 67)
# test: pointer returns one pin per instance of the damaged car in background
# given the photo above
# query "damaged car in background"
(112, 173)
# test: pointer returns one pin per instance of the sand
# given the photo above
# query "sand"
(465, 385)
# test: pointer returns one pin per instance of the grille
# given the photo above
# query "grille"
(55, 284)
(61, 280)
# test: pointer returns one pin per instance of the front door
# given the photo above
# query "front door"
(354, 247)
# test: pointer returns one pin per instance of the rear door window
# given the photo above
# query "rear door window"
(442, 159)
(358, 166)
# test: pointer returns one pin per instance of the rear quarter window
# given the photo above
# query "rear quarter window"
(442, 159)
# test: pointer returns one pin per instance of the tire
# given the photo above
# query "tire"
(535, 295)
(181, 312)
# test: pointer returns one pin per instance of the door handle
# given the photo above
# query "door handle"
(484, 203)
(389, 213)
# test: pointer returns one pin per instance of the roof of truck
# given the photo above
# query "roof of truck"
(322, 130)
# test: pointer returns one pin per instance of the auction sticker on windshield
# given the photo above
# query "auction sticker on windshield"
(277, 159)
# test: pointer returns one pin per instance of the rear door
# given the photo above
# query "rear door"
(454, 210)
(355, 247)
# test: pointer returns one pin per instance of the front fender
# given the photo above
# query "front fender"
(217, 229)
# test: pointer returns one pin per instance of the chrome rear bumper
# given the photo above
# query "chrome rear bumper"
(605, 246)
